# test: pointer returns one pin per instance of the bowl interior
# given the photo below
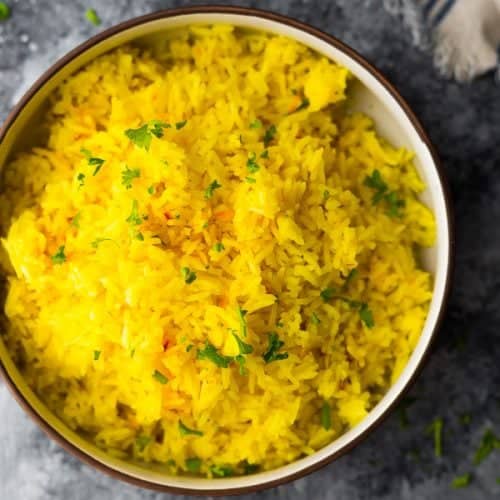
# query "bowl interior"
(369, 95)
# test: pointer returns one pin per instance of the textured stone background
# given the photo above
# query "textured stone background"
(462, 376)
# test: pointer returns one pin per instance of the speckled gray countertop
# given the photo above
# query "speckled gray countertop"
(463, 375)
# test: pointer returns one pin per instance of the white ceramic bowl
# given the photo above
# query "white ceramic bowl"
(394, 120)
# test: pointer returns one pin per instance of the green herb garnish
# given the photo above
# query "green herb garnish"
(326, 418)
(250, 468)
(242, 346)
(461, 481)
(275, 344)
(269, 135)
(394, 204)
(264, 154)
(97, 355)
(243, 321)
(4, 11)
(92, 160)
(252, 165)
(151, 189)
(240, 359)
(81, 179)
(303, 105)
(59, 257)
(326, 195)
(315, 319)
(193, 465)
(188, 275)
(327, 294)
(209, 192)
(189, 347)
(92, 17)
(209, 353)
(134, 219)
(489, 442)
(75, 221)
(128, 175)
(353, 274)
(158, 376)
(250, 180)
(219, 247)
(141, 136)
(366, 315)
(436, 429)
(381, 189)
(142, 442)
(186, 431)
(256, 124)
(180, 125)
(221, 470)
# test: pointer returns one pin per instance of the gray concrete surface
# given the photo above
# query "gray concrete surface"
(463, 375)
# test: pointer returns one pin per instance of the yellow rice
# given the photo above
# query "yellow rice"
(269, 247)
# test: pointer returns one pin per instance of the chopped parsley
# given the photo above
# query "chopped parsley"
(243, 322)
(366, 315)
(139, 236)
(353, 273)
(142, 442)
(205, 225)
(134, 219)
(326, 195)
(156, 128)
(180, 125)
(275, 344)
(59, 257)
(128, 175)
(252, 165)
(489, 442)
(81, 179)
(303, 105)
(240, 359)
(326, 418)
(461, 481)
(193, 465)
(269, 135)
(219, 247)
(221, 470)
(97, 355)
(315, 319)
(264, 154)
(250, 468)
(382, 192)
(186, 431)
(159, 377)
(250, 180)
(151, 189)
(188, 275)
(256, 124)
(92, 17)
(209, 353)
(141, 136)
(327, 294)
(4, 11)
(209, 192)
(92, 160)
(189, 347)
(75, 221)
(436, 429)
(98, 241)
(242, 346)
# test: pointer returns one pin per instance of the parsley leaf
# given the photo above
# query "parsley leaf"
(221, 470)
(219, 247)
(4, 11)
(327, 294)
(381, 189)
(141, 136)
(59, 257)
(250, 180)
(252, 165)
(193, 465)
(366, 315)
(209, 192)
(269, 135)
(160, 377)
(242, 346)
(142, 442)
(243, 322)
(151, 189)
(209, 353)
(250, 468)
(92, 17)
(436, 429)
(326, 418)
(92, 160)
(156, 128)
(489, 442)
(180, 125)
(326, 195)
(395, 204)
(186, 431)
(315, 319)
(97, 355)
(128, 175)
(240, 359)
(264, 154)
(461, 481)
(275, 344)
(303, 105)
(75, 221)
(353, 273)
(256, 124)
(81, 179)
(188, 275)
(134, 219)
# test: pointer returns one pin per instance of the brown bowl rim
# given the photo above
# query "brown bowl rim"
(263, 14)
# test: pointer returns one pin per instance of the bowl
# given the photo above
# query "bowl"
(373, 95)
